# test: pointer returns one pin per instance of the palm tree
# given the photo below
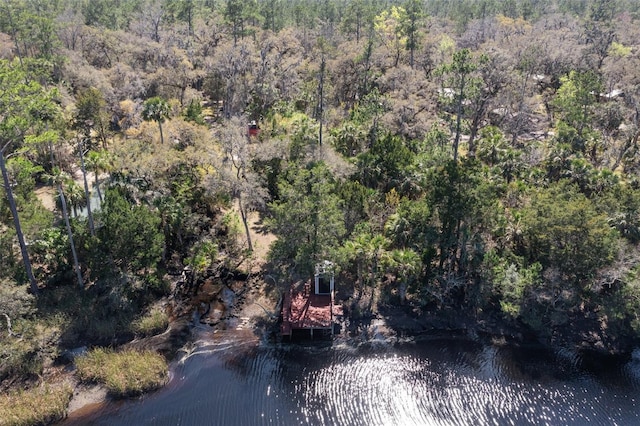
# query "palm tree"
(75, 196)
(406, 264)
(97, 162)
(156, 109)
(366, 250)
(58, 178)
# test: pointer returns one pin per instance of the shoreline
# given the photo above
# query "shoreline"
(241, 304)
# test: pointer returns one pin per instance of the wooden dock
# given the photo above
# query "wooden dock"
(302, 309)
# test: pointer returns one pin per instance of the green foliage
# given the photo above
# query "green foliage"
(526, 230)
(33, 25)
(356, 200)
(100, 314)
(366, 250)
(563, 229)
(619, 50)
(15, 302)
(270, 169)
(463, 207)
(348, 139)
(410, 25)
(8, 262)
(34, 217)
(458, 71)
(26, 105)
(460, 83)
(107, 14)
(24, 340)
(182, 10)
(193, 112)
(622, 207)
(158, 110)
(237, 14)
(406, 266)
(24, 174)
(563, 163)
(173, 216)
(307, 218)
(574, 103)
(358, 17)
(620, 305)
(386, 165)
(366, 110)
(99, 161)
(155, 109)
(27, 108)
(628, 304)
(90, 106)
(204, 254)
(412, 226)
(185, 182)
(273, 13)
(513, 284)
(353, 135)
(436, 138)
(51, 252)
(124, 373)
(91, 115)
(494, 151)
(22, 357)
(131, 233)
(304, 137)
(38, 146)
(388, 25)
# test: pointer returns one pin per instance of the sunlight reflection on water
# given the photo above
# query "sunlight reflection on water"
(234, 381)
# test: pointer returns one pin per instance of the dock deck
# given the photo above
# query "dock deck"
(304, 310)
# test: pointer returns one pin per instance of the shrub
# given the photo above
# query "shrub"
(562, 228)
(131, 232)
(20, 357)
(19, 337)
(124, 373)
(98, 315)
(154, 322)
(42, 405)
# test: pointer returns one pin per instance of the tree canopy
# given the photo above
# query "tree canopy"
(471, 159)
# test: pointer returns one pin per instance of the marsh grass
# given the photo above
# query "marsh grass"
(153, 322)
(40, 405)
(125, 373)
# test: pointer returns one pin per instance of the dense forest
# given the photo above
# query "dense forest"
(476, 159)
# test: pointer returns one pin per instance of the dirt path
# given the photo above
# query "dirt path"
(260, 238)
(47, 194)
(255, 304)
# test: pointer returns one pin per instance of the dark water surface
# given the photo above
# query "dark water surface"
(233, 379)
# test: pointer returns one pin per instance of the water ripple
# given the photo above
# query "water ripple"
(229, 380)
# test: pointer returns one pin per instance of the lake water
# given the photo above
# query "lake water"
(232, 378)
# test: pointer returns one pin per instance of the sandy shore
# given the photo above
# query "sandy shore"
(86, 398)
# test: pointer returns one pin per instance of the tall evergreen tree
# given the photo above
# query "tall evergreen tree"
(307, 218)
(25, 106)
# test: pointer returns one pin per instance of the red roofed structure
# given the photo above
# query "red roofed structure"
(304, 309)
(253, 129)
